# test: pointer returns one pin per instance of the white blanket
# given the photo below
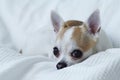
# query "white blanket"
(102, 66)
(26, 25)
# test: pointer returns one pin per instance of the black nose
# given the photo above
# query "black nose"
(61, 65)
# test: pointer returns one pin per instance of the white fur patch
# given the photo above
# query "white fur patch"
(66, 45)
(66, 40)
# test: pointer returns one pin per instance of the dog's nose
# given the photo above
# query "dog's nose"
(61, 65)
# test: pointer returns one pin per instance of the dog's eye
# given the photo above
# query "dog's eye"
(56, 51)
(76, 54)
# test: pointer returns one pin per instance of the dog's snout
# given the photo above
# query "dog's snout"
(61, 65)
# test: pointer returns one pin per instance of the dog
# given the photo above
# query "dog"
(77, 40)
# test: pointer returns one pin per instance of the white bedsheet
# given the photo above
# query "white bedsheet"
(102, 66)
(26, 25)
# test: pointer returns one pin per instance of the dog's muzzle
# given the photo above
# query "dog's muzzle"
(61, 65)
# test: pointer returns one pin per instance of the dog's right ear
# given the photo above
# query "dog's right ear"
(57, 21)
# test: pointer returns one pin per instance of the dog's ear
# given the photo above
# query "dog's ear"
(94, 22)
(57, 21)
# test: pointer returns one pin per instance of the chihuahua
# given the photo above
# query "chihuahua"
(77, 40)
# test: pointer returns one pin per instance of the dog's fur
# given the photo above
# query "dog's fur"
(87, 37)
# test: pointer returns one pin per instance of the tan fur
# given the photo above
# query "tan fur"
(67, 25)
(71, 23)
(84, 42)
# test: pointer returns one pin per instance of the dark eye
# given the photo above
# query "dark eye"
(76, 54)
(56, 51)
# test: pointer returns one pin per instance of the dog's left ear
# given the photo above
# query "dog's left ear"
(94, 22)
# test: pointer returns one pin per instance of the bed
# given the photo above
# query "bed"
(26, 25)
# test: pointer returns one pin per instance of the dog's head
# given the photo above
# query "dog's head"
(75, 40)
